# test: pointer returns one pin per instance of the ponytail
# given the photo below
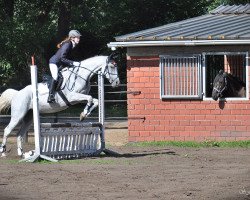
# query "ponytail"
(61, 43)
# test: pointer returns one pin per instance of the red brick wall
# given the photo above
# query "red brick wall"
(183, 120)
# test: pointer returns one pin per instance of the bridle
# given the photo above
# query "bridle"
(105, 72)
(223, 89)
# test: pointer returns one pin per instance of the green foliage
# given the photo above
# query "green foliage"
(5, 71)
(215, 3)
(32, 27)
(22, 36)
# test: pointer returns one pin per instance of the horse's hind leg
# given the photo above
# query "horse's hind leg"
(27, 121)
(13, 123)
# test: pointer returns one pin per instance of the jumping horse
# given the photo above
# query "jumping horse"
(227, 85)
(75, 87)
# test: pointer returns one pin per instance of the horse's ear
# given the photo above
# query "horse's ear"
(225, 74)
(221, 72)
(113, 56)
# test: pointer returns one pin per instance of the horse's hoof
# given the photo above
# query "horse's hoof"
(2, 148)
(3, 155)
(20, 152)
(28, 154)
(82, 116)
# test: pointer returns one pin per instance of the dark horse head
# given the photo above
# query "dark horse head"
(227, 85)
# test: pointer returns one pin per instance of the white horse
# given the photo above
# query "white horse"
(75, 87)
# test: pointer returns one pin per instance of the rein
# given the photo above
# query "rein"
(106, 71)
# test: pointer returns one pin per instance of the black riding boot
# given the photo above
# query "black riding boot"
(51, 98)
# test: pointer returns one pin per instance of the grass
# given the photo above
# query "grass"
(233, 144)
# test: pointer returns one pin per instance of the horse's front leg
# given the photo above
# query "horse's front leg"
(88, 109)
(90, 106)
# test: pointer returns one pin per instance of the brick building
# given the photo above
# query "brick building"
(173, 67)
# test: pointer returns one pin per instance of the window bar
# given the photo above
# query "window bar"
(244, 65)
(184, 76)
(162, 74)
(235, 64)
(190, 74)
(187, 78)
(177, 76)
(169, 74)
(199, 76)
(194, 75)
(166, 77)
(172, 77)
(181, 75)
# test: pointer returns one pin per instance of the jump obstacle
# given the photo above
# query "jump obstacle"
(71, 140)
(55, 141)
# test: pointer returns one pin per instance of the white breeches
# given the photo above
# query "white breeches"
(53, 70)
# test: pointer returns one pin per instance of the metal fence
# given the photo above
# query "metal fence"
(115, 107)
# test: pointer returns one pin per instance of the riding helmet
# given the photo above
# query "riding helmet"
(74, 33)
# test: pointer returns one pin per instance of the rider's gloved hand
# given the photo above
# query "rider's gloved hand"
(76, 64)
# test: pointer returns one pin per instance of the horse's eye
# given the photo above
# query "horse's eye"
(113, 64)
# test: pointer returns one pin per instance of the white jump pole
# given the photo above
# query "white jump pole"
(101, 98)
(102, 112)
(36, 118)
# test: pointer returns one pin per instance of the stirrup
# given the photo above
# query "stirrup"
(51, 99)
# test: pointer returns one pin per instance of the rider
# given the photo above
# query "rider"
(61, 58)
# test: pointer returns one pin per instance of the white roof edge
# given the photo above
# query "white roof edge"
(113, 45)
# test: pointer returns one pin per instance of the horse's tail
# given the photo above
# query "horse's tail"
(5, 100)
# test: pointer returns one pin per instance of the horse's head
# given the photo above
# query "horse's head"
(219, 85)
(110, 71)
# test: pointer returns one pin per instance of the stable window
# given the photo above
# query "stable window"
(192, 76)
(231, 62)
(181, 77)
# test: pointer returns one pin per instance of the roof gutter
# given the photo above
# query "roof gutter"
(114, 45)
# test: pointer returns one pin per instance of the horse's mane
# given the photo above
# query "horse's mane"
(236, 80)
(89, 60)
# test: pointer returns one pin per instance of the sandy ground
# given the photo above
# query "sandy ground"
(139, 173)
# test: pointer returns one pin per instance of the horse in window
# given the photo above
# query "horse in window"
(227, 85)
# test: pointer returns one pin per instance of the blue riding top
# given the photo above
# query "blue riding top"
(62, 55)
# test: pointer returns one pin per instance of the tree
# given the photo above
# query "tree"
(63, 18)
(8, 9)
(35, 27)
